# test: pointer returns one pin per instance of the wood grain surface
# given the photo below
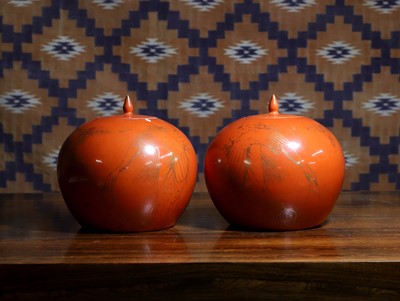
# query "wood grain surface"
(354, 256)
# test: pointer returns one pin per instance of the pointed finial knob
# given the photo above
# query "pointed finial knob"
(273, 105)
(128, 105)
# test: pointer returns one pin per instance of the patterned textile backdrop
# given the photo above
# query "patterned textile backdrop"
(199, 64)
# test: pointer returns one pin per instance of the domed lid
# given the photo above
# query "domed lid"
(273, 109)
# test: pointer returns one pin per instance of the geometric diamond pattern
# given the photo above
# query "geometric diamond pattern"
(293, 6)
(199, 65)
(291, 103)
(152, 50)
(201, 105)
(338, 52)
(203, 5)
(384, 104)
(245, 52)
(383, 7)
(18, 101)
(106, 104)
(63, 48)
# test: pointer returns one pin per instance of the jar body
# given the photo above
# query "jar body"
(274, 173)
(127, 173)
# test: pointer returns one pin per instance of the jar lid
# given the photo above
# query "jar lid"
(128, 113)
(273, 109)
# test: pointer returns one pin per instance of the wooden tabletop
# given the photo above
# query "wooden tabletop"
(355, 255)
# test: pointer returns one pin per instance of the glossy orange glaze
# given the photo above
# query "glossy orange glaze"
(274, 171)
(127, 173)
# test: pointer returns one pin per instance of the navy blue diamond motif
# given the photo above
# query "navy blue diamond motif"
(383, 6)
(106, 104)
(203, 5)
(291, 103)
(202, 105)
(293, 6)
(153, 50)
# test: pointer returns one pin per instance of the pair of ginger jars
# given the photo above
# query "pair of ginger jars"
(133, 173)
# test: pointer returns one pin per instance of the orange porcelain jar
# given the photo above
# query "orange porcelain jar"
(127, 173)
(274, 171)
